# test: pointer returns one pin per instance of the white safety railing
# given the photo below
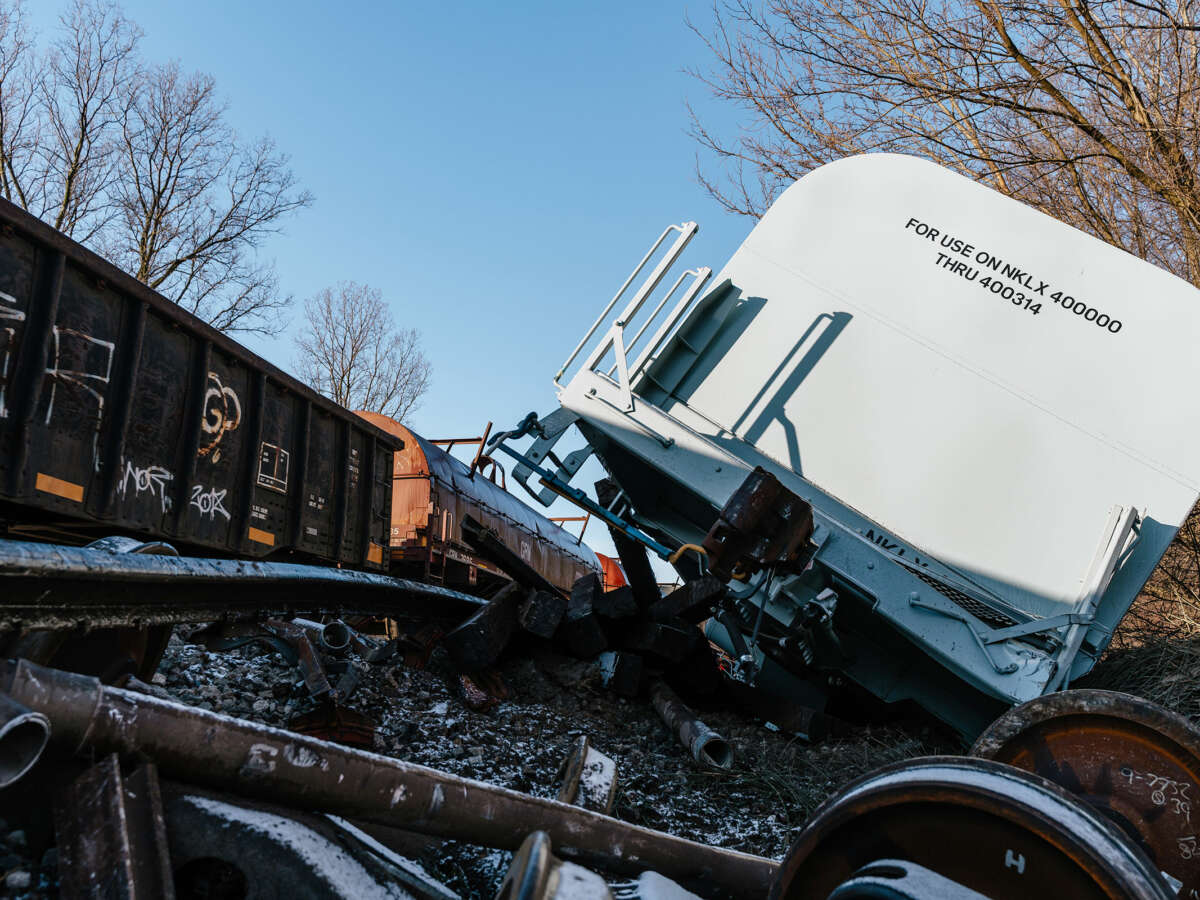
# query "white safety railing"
(614, 339)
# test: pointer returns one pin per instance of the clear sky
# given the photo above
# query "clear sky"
(495, 168)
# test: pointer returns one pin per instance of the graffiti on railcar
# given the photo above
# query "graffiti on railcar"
(209, 501)
(222, 413)
(83, 350)
(143, 479)
(8, 342)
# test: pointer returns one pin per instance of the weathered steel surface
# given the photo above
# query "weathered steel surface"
(762, 524)
(23, 737)
(589, 778)
(331, 721)
(705, 745)
(225, 847)
(1004, 833)
(120, 410)
(112, 839)
(537, 874)
(1133, 761)
(433, 494)
(48, 586)
(278, 766)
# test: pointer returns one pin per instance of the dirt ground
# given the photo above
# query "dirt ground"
(757, 807)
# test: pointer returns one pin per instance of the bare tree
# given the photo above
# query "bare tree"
(194, 203)
(139, 161)
(1086, 109)
(352, 351)
(19, 122)
(86, 75)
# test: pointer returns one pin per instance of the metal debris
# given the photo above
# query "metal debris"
(269, 851)
(589, 778)
(331, 721)
(1132, 760)
(762, 524)
(269, 764)
(537, 874)
(705, 745)
(23, 737)
(49, 586)
(112, 839)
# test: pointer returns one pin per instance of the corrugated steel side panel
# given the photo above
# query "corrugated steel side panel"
(119, 411)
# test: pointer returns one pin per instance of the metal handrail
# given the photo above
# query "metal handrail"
(700, 278)
(687, 231)
(654, 314)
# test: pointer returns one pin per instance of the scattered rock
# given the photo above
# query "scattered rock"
(521, 742)
(18, 880)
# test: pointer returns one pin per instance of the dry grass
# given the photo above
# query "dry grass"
(1163, 669)
(803, 776)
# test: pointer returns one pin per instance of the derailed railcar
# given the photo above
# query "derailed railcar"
(978, 409)
(433, 493)
(121, 412)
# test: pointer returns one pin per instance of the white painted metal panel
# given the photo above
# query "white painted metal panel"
(994, 438)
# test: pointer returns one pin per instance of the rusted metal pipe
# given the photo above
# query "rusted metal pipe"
(210, 749)
(705, 745)
(335, 635)
(23, 737)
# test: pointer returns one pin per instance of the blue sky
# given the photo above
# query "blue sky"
(495, 168)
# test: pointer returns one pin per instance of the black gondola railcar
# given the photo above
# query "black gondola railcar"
(121, 412)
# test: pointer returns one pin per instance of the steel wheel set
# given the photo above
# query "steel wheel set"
(1080, 794)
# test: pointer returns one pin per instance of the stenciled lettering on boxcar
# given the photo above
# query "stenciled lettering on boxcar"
(10, 318)
(93, 360)
(352, 469)
(273, 467)
(140, 479)
(210, 502)
(222, 413)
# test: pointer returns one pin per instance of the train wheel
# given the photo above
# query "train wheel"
(956, 827)
(1133, 761)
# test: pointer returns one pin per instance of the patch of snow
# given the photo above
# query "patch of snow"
(577, 883)
(596, 780)
(652, 886)
(400, 862)
(344, 874)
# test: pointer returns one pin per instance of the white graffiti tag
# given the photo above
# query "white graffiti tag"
(8, 336)
(80, 379)
(148, 478)
(222, 413)
(211, 503)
